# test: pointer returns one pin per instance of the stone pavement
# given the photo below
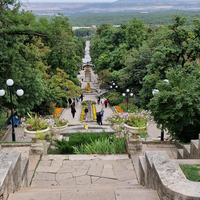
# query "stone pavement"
(88, 177)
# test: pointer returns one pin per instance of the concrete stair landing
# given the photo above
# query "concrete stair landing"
(85, 177)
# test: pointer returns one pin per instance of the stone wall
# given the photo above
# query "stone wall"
(13, 173)
(158, 172)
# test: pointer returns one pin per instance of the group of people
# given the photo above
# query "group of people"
(72, 104)
(100, 116)
(103, 101)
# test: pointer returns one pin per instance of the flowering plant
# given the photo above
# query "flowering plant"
(138, 119)
(115, 118)
(56, 122)
(34, 123)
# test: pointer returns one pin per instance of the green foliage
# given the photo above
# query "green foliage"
(65, 147)
(114, 98)
(176, 106)
(84, 103)
(103, 146)
(85, 32)
(191, 172)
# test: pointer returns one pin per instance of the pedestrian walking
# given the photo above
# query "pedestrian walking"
(98, 99)
(86, 111)
(99, 121)
(81, 97)
(106, 103)
(77, 99)
(70, 101)
(73, 110)
(102, 112)
(102, 101)
(74, 102)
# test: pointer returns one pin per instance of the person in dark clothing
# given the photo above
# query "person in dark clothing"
(73, 110)
(70, 101)
(99, 115)
(81, 97)
(106, 103)
(98, 99)
(86, 111)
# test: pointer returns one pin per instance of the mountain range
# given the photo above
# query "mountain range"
(117, 6)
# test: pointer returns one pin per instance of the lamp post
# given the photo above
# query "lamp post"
(20, 92)
(154, 92)
(126, 94)
(113, 86)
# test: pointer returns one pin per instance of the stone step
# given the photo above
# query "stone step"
(186, 151)
(194, 151)
(136, 194)
(180, 154)
(97, 193)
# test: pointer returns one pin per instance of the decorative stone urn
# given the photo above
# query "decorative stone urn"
(59, 130)
(37, 147)
(136, 130)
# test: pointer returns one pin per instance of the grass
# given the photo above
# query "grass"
(192, 172)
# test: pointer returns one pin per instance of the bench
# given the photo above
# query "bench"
(16, 120)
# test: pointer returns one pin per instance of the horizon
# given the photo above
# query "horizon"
(68, 1)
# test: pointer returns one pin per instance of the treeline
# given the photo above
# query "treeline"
(42, 56)
(150, 19)
(139, 58)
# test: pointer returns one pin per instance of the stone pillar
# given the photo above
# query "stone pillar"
(133, 145)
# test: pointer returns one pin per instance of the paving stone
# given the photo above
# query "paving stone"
(94, 178)
(33, 160)
(127, 164)
(44, 177)
(79, 173)
(44, 184)
(48, 169)
(108, 173)
(129, 182)
(61, 177)
(57, 163)
(83, 157)
(129, 194)
(119, 167)
(69, 195)
(105, 181)
(66, 169)
(56, 195)
(125, 175)
(107, 166)
(67, 182)
(72, 163)
(114, 157)
(30, 175)
(95, 170)
(45, 163)
(83, 180)
(81, 168)
(55, 157)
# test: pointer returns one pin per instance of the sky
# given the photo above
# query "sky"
(71, 1)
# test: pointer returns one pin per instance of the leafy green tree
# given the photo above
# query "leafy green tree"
(176, 106)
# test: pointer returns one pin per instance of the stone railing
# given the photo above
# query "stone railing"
(158, 172)
(13, 173)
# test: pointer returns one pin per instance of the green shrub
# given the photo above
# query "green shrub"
(76, 140)
(84, 103)
(114, 98)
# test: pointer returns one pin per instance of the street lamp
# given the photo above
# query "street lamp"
(20, 92)
(154, 92)
(127, 93)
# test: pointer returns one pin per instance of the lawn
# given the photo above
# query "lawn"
(192, 172)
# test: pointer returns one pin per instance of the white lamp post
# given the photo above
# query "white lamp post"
(20, 92)
(127, 93)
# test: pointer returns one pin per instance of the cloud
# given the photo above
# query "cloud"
(70, 1)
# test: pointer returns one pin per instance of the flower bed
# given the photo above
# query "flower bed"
(119, 110)
(83, 113)
(57, 112)
(94, 112)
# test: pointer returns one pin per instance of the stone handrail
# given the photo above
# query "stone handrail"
(158, 172)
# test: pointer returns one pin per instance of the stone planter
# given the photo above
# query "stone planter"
(37, 147)
(58, 130)
(136, 130)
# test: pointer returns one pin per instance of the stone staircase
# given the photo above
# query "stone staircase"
(191, 151)
(85, 177)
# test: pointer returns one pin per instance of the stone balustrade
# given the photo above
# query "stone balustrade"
(13, 173)
(158, 172)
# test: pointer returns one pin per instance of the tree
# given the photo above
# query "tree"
(176, 106)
